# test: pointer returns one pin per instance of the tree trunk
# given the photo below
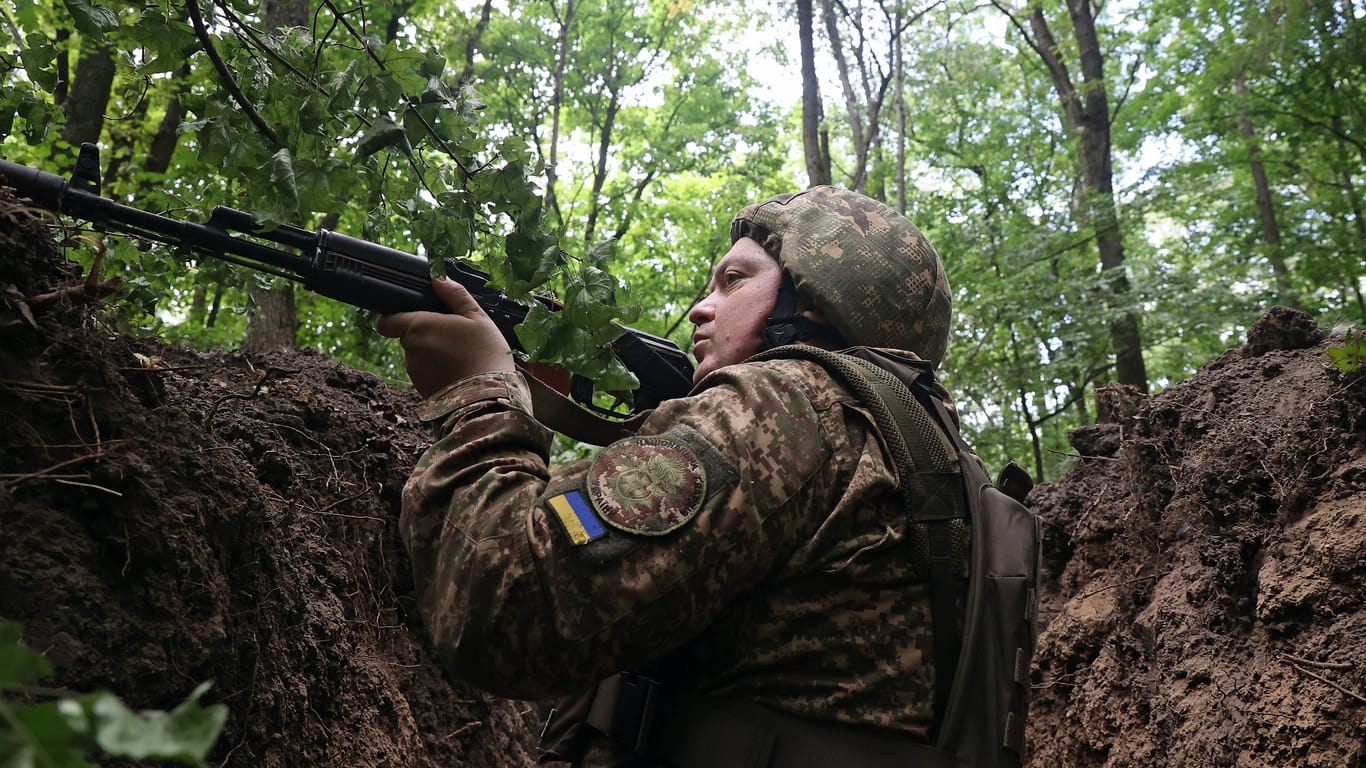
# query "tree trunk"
(1266, 209)
(900, 120)
(600, 166)
(273, 320)
(851, 102)
(287, 13)
(472, 43)
(875, 76)
(271, 324)
(1087, 115)
(89, 95)
(168, 130)
(1035, 441)
(814, 146)
(1352, 264)
(62, 42)
(552, 203)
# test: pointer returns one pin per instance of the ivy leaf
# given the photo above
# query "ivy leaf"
(508, 190)
(433, 65)
(590, 299)
(169, 38)
(215, 140)
(1351, 356)
(601, 252)
(339, 88)
(37, 59)
(382, 90)
(381, 134)
(185, 733)
(615, 376)
(39, 114)
(314, 182)
(448, 231)
(281, 194)
(90, 19)
(532, 257)
(19, 664)
(539, 331)
(50, 735)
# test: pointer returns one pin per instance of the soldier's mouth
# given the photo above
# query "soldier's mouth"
(697, 349)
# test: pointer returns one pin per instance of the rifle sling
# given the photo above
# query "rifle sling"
(691, 731)
(926, 460)
(572, 420)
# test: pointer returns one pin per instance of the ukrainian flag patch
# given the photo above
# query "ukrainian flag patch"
(576, 516)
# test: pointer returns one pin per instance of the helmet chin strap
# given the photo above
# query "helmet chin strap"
(787, 325)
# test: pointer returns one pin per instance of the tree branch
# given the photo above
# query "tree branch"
(201, 32)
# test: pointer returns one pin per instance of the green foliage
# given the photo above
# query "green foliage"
(61, 731)
(341, 109)
(1351, 356)
(523, 140)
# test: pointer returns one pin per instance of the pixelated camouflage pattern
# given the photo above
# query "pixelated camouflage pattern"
(786, 588)
(867, 268)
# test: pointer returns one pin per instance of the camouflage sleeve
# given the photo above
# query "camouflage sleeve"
(536, 583)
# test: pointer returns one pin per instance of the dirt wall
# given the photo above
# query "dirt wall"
(1206, 565)
(172, 516)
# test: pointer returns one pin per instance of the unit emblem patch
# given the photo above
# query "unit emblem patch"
(647, 485)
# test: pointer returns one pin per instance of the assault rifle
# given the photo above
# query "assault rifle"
(348, 269)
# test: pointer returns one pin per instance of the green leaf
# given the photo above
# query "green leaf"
(601, 252)
(316, 182)
(39, 114)
(508, 190)
(44, 736)
(532, 257)
(186, 733)
(448, 231)
(281, 194)
(170, 39)
(433, 65)
(536, 331)
(37, 59)
(615, 376)
(92, 19)
(215, 142)
(19, 664)
(590, 299)
(1351, 356)
(383, 133)
(381, 90)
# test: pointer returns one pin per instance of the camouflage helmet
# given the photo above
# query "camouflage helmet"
(864, 266)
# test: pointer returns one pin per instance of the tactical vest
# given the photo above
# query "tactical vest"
(984, 627)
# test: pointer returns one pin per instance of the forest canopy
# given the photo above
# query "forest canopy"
(1118, 190)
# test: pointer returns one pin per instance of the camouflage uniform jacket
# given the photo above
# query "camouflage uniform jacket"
(748, 533)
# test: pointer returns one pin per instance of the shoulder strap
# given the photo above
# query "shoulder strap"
(927, 463)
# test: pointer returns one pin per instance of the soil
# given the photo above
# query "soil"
(172, 516)
(169, 516)
(1205, 566)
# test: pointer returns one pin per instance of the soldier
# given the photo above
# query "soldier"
(746, 555)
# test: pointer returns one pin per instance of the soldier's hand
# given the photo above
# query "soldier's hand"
(442, 349)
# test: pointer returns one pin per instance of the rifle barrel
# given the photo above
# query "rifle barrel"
(341, 267)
